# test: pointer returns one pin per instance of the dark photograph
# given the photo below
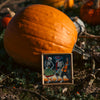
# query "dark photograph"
(57, 68)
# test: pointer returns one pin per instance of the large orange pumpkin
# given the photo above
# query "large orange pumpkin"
(89, 13)
(53, 3)
(39, 29)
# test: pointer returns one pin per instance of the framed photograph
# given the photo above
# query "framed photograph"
(57, 68)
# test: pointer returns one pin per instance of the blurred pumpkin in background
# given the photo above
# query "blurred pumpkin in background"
(90, 12)
(39, 29)
(53, 3)
(68, 4)
(5, 20)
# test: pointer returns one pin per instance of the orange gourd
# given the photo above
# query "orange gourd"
(39, 29)
(53, 3)
(90, 12)
(68, 4)
(5, 20)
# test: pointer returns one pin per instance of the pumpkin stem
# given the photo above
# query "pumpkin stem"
(12, 13)
(75, 18)
(96, 4)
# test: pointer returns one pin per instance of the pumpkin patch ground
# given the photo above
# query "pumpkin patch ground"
(37, 29)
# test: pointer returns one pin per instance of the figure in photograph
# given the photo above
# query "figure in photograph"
(65, 70)
(59, 64)
(49, 65)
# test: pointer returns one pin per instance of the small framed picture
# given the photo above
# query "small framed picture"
(57, 68)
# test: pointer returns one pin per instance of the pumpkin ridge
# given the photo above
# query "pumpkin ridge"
(39, 51)
(27, 34)
(25, 25)
(66, 31)
(44, 12)
(30, 19)
(46, 40)
(46, 26)
(61, 45)
(36, 49)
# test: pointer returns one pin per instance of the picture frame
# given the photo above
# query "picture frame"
(57, 68)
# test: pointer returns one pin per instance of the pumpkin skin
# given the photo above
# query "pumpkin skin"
(39, 29)
(89, 14)
(5, 20)
(68, 4)
(53, 3)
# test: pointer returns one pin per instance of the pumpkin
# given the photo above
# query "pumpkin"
(5, 20)
(53, 3)
(68, 4)
(39, 29)
(90, 12)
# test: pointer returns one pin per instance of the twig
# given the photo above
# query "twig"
(4, 3)
(90, 35)
(87, 35)
(97, 37)
(93, 66)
